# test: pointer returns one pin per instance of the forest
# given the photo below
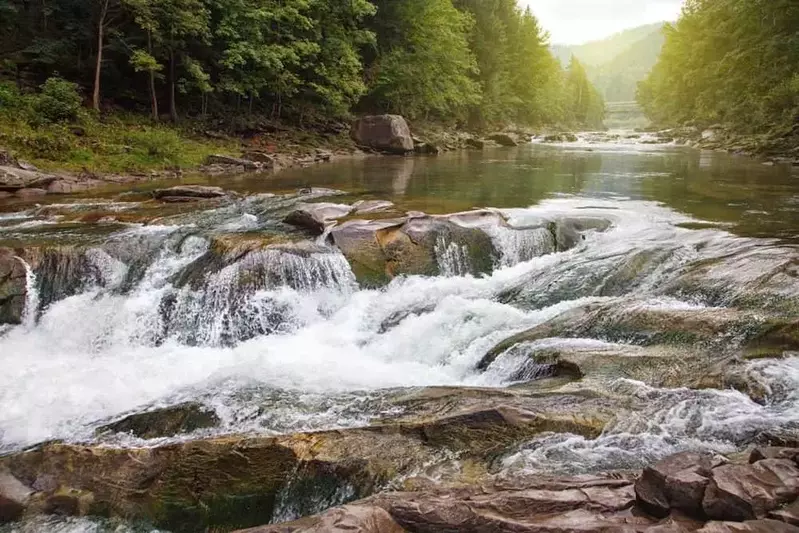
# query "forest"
(471, 63)
(728, 62)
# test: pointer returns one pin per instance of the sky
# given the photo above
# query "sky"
(579, 21)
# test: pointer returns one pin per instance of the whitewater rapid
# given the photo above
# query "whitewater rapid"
(312, 351)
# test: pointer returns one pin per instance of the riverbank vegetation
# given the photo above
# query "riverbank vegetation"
(733, 63)
(306, 63)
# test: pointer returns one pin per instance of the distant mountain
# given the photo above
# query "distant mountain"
(615, 65)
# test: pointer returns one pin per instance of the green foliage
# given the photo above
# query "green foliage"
(430, 69)
(728, 61)
(58, 101)
(11, 99)
(482, 61)
(583, 100)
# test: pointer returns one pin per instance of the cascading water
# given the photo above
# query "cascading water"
(31, 297)
(276, 336)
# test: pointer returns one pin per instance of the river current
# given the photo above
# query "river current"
(148, 323)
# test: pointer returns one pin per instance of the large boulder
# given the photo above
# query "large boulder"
(503, 139)
(746, 492)
(676, 482)
(13, 179)
(381, 250)
(385, 133)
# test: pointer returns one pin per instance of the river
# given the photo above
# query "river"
(141, 318)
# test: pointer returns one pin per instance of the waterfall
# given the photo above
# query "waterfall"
(520, 245)
(31, 310)
(452, 258)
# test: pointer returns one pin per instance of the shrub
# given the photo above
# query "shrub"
(10, 98)
(157, 144)
(58, 101)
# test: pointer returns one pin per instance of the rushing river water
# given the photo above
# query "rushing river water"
(147, 321)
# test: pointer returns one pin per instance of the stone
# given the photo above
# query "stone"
(230, 161)
(477, 144)
(676, 482)
(166, 422)
(14, 497)
(13, 179)
(63, 186)
(746, 492)
(29, 193)
(751, 526)
(13, 288)
(317, 216)
(346, 519)
(364, 207)
(788, 514)
(425, 148)
(503, 139)
(195, 192)
(5, 194)
(770, 452)
(385, 133)
(561, 137)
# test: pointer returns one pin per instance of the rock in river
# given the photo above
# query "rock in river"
(385, 133)
(188, 193)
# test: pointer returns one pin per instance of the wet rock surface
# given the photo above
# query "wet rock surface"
(385, 133)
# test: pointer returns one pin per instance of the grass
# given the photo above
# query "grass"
(116, 144)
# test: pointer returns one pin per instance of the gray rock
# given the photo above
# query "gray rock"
(13, 179)
(186, 192)
(385, 133)
(316, 217)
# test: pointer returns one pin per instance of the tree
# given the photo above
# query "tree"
(430, 70)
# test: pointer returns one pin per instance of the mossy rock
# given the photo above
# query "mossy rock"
(166, 422)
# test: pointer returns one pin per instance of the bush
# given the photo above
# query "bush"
(161, 145)
(58, 101)
(10, 98)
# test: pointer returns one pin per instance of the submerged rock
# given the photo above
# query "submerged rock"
(166, 422)
(346, 519)
(385, 133)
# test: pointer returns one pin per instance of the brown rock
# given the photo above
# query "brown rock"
(788, 514)
(676, 482)
(386, 133)
(30, 193)
(746, 492)
(5, 194)
(772, 452)
(503, 139)
(13, 497)
(347, 519)
(753, 526)
(63, 186)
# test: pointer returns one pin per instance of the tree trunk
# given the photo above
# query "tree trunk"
(100, 45)
(153, 95)
(173, 109)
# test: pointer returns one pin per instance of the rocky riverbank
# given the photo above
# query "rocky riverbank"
(383, 134)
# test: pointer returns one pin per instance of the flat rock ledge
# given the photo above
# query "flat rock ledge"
(688, 492)
(222, 483)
